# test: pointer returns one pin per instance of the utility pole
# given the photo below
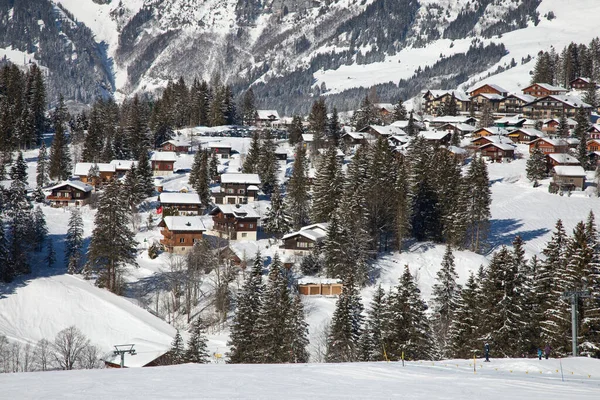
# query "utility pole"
(574, 296)
(122, 349)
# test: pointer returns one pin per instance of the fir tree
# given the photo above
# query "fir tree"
(327, 188)
(6, 272)
(334, 129)
(18, 172)
(402, 196)
(295, 130)
(199, 178)
(317, 121)
(197, 351)
(487, 117)
(39, 231)
(253, 157)
(50, 259)
(399, 111)
(373, 346)
(591, 96)
(277, 220)
(581, 133)
(479, 195)
(248, 107)
(562, 131)
(60, 157)
(411, 127)
(298, 333)
(42, 178)
(366, 115)
(267, 163)
(536, 165)
(144, 175)
(177, 351)
(463, 331)
(137, 133)
(297, 196)
(74, 242)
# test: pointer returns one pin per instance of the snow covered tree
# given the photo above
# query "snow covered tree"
(199, 178)
(591, 96)
(277, 220)
(403, 212)
(295, 130)
(366, 115)
(60, 157)
(6, 272)
(50, 259)
(297, 190)
(411, 128)
(197, 351)
(137, 133)
(74, 242)
(113, 245)
(298, 332)
(536, 165)
(68, 346)
(479, 195)
(399, 111)
(463, 332)
(42, 178)
(145, 176)
(268, 166)
(581, 133)
(18, 171)
(562, 131)
(334, 129)
(327, 188)
(244, 325)
(372, 341)
(39, 229)
(317, 122)
(590, 329)
(248, 107)
(253, 157)
(177, 351)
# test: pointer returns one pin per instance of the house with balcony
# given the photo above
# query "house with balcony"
(302, 242)
(70, 193)
(180, 233)
(222, 150)
(104, 173)
(237, 189)
(554, 106)
(182, 203)
(123, 166)
(235, 222)
(163, 162)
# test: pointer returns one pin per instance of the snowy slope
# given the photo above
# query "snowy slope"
(500, 379)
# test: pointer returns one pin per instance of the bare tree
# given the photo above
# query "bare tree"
(90, 358)
(42, 355)
(4, 354)
(68, 347)
(27, 359)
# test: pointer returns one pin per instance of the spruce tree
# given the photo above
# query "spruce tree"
(297, 190)
(144, 175)
(317, 122)
(463, 331)
(298, 333)
(479, 195)
(536, 165)
(74, 242)
(590, 329)
(268, 166)
(562, 131)
(295, 130)
(39, 229)
(366, 115)
(373, 347)
(60, 157)
(253, 157)
(403, 212)
(399, 111)
(6, 272)
(18, 171)
(42, 178)
(177, 351)
(581, 133)
(197, 351)
(50, 259)
(487, 117)
(334, 128)
(248, 107)
(327, 188)
(137, 133)
(199, 176)
(277, 220)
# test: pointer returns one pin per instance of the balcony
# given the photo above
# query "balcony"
(60, 198)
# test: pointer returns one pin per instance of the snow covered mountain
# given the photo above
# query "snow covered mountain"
(293, 50)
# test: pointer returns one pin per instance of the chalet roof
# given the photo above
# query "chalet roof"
(163, 156)
(240, 211)
(492, 85)
(491, 96)
(571, 101)
(581, 78)
(597, 141)
(569, 170)
(267, 114)
(314, 232)
(308, 137)
(501, 146)
(494, 139)
(357, 135)
(253, 187)
(447, 119)
(527, 98)
(514, 120)
(594, 128)
(84, 187)
(572, 141)
(457, 150)
(553, 142)
(389, 107)
(459, 126)
(386, 130)
(563, 158)
(219, 145)
(434, 135)
(184, 224)
(179, 142)
(248, 179)
(82, 169)
(179, 198)
(548, 87)
(529, 132)
(309, 280)
(123, 165)
(403, 124)
(493, 130)
(459, 95)
(570, 121)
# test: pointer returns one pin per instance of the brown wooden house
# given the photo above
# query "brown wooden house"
(543, 90)
(433, 99)
(176, 145)
(513, 103)
(180, 233)
(222, 150)
(105, 172)
(488, 88)
(237, 189)
(581, 83)
(549, 146)
(235, 222)
(593, 145)
(302, 242)
(70, 193)
(490, 131)
(319, 286)
(482, 140)
(266, 118)
(123, 166)
(497, 152)
(183, 203)
(523, 135)
(558, 159)
(163, 162)
(554, 106)
(569, 177)
(483, 100)
(594, 131)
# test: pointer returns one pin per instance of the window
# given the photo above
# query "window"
(181, 240)
(302, 244)
(230, 191)
(244, 234)
(168, 166)
(250, 225)
(77, 195)
(241, 225)
(241, 191)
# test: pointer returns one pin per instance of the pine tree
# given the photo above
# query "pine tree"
(297, 196)
(137, 133)
(277, 220)
(93, 143)
(536, 165)
(296, 130)
(50, 254)
(334, 129)
(581, 133)
(479, 195)
(298, 333)
(327, 188)
(463, 332)
(253, 157)
(6, 272)
(244, 325)
(177, 351)
(144, 175)
(113, 245)
(373, 346)
(346, 325)
(268, 166)
(18, 172)
(445, 293)
(562, 131)
(487, 117)
(403, 212)
(60, 157)
(199, 177)
(248, 107)
(213, 167)
(39, 229)
(317, 122)
(197, 351)
(399, 111)
(42, 177)
(411, 127)
(366, 115)
(591, 96)
(590, 330)
(74, 242)
(542, 72)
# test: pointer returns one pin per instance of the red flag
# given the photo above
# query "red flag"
(159, 210)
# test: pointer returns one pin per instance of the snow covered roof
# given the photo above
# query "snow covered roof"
(179, 198)
(253, 187)
(241, 211)
(307, 137)
(527, 98)
(570, 121)
(529, 131)
(357, 135)
(571, 101)
(491, 96)
(387, 130)
(494, 139)
(434, 135)
(553, 142)
(517, 119)
(552, 88)
(182, 223)
(315, 232)
(403, 124)
(501, 146)
(569, 170)
(219, 145)
(459, 126)
(163, 156)
(82, 169)
(494, 130)
(249, 179)
(586, 80)
(447, 119)
(74, 184)
(179, 142)
(563, 158)
(459, 95)
(456, 150)
(267, 114)
(318, 281)
(492, 85)
(123, 165)
(389, 107)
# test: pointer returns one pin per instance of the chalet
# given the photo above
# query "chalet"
(404, 124)
(353, 139)
(551, 125)
(497, 152)
(572, 142)
(594, 158)
(436, 137)
(302, 242)
(593, 145)
(458, 153)
(569, 177)
(222, 150)
(266, 118)
(554, 106)
(543, 90)
(122, 166)
(513, 103)
(319, 286)
(235, 222)
(490, 131)
(180, 233)
(549, 146)
(523, 135)
(558, 159)
(594, 131)
(163, 162)
(237, 189)
(433, 99)
(460, 128)
(482, 140)
(183, 203)
(380, 130)
(483, 100)
(489, 88)
(177, 145)
(450, 119)
(516, 121)
(281, 154)
(398, 140)
(581, 83)
(308, 140)
(385, 110)
(70, 193)
(106, 172)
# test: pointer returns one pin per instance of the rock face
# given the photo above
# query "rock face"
(275, 45)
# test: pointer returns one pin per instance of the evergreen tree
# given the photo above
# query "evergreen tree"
(197, 351)
(199, 177)
(542, 72)
(463, 332)
(18, 172)
(267, 163)
(399, 111)
(591, 96)
(327, 188)
(487, 117)
(50, 254)
(177, 352)
(248, 107)
(297, 196)
(213, 167)
(366, 115)
(74, 242)
(144, 175)
(411, 127)
(403, 213)
(295, 130)
(317, 122)
(536, 165)
(581, 133)
(277, 220)
(373, 346)
(298, 333)
(334, 128)
(253, 157)
(562, 131)
(60, 157)
(93, 143)
(6, 271)
(590, 329)
(39, 229)
(42, 177)
(113, 245)
(479, 195)
(137, 133)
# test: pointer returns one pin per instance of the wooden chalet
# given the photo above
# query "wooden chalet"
(182, 203)
(513, 103)
(569, 177)
(180, 233)
(482, 140)
(302, 242)
(106, 173)
(433, 99)
(460, 128)
(581, 83)
(554, 106)
(490, 131)
(382, 130)
(488, 88)
(594, 131)
(122, 166)
(163, 162)
(235, 222)
(177, 145)
(549, 146)
(497, 152)
(281, 154)
(222, 150)
(70, 193)
(483, 100)
(354, 139)
(543, 90)
(440, 121)
(319, 286)
(515, 121)
(237, 189)
(385, 110)
(551, 125)
(593, 145)
(522, 135)
(558, 159)
(266, 118)
(436, 137)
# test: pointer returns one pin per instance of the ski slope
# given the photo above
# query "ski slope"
(453, 379)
